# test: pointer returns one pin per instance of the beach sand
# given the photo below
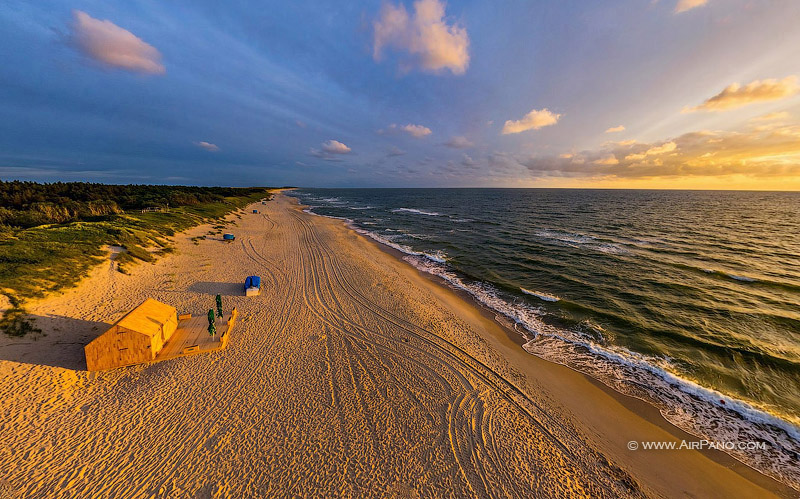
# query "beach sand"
(351, 375)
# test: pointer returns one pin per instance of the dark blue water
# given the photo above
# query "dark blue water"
(687, 299)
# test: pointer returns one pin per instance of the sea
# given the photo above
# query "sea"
(689, 300)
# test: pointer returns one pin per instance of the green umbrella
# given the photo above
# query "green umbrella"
(212, 328)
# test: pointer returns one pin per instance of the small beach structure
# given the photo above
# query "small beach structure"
(255, 211)
(136, 338)
(252, 285)
(228, 237)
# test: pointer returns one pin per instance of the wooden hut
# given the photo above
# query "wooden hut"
(136, 338)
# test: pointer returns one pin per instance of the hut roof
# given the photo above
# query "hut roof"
(148, 317)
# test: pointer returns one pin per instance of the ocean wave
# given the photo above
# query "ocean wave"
(582, 241)
(437, 256)
(310, 212)
(416, 211)
(541, 296)
(742, 278)
(698, 410)
(421, 237)
(735, 277)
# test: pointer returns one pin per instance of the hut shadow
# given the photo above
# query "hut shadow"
(60, 344)
(218, 288)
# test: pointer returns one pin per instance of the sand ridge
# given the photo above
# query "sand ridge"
(346, 377)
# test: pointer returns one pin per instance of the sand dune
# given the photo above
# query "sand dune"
(350, 376)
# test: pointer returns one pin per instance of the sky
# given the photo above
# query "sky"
(696, 94)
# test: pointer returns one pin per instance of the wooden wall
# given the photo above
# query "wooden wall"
(120, 346)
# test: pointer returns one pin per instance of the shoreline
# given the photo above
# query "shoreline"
(640, 408)
(353, 373)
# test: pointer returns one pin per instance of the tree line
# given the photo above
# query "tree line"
(28, 204)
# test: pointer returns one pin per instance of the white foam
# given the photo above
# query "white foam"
(582, 241)
(742, 278)
(418, 212)
(308, 210)
(438, 256)
(541, 296)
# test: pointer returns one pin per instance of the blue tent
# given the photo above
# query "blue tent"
(228, 237)
(252, 281)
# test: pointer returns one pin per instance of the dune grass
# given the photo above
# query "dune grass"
(38, 260)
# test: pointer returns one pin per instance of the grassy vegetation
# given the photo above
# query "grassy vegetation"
(44, 258)
(15, 323)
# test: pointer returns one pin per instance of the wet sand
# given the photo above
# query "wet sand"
(350, 375)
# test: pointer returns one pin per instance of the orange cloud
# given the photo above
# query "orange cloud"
(534, 120)
(753, 153)
(608, 160)
(425, 35)
(653, 151)
(615, 129)
(778, 116)
(113, 46)
(684, 5)
(735, 95)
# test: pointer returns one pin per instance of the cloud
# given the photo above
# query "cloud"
(467, 161)
(778, 116)
(329, 150)
(653, 151)
(533, 120)
(208, 146)
(753, 152)
(395, 151)
(335, 147)
(735, 95)
(615, 129)
(684, 5)
(417, 131)
(459, 142)
(608, 160)
(432, 43)
(107, 43)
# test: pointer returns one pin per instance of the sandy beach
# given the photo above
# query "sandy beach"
(351, 375)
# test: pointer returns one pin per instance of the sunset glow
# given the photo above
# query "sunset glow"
(674, 94)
